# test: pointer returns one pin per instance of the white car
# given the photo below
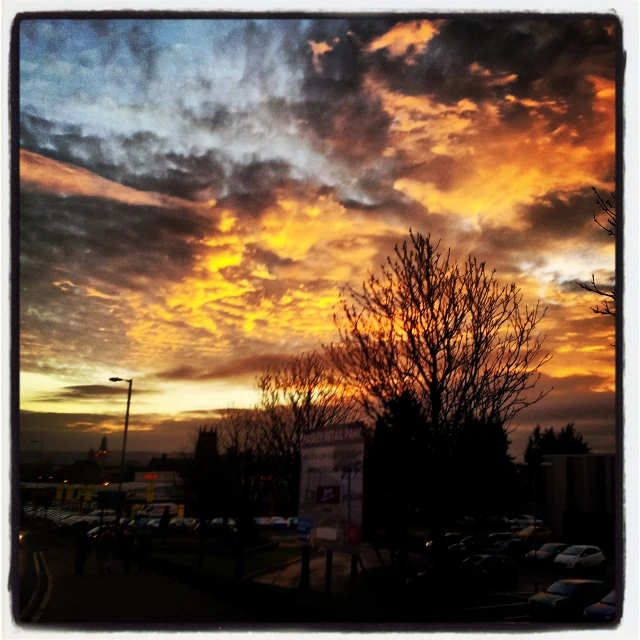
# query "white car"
(93, 518)
(581, 556)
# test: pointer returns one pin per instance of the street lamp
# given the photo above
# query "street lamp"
(126, 427)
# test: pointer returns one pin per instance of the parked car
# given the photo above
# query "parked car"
(525, 520)
(581, 556)
(451, 538)
(499, 537)
(513, 547)
(603, 611)
(547, 553)
(490, 570)
(95, 533)
(262, 522)
(533, 535)
(565, 598)
(468, 545)
(292, 522)
(278, 523)
(93, 519)
(217, 523)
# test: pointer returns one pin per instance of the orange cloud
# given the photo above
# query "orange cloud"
(318, 48)
(496, 168)
(64, 179)
(404, 35)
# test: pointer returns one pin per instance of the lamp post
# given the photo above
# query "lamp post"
(124, 441)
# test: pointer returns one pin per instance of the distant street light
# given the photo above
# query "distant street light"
(126, 427)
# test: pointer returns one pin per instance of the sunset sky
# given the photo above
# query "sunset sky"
(194, 194)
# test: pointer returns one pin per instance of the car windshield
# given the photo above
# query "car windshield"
(572, 551)
(473, 560)
(610, 598)
(528, 530)
(561, 588)
(550, 547)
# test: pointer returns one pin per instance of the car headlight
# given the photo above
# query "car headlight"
(429, 543)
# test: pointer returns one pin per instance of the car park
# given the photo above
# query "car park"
(525, 520)
(580, 556)
(468, 545)
(533, 535)
(566, 599)
(277, 522)
(95, 533)
(217, 523)
(449, 539)
(547, 553)
(262, 522)
(499, 537)
(106, 516)
(603, 611)
(490, 571)
(513, 547)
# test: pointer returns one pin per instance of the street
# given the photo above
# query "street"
(118, 598)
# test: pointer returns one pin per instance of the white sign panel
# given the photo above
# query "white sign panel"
(330, 510)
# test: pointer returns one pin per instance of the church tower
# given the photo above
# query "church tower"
(207, 444)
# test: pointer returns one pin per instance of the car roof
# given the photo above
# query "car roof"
(580, 581)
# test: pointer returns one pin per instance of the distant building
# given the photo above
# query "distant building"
(580, 497)
(206, 445)
(99, 456)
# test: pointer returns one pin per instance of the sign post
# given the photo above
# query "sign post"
(331, 487)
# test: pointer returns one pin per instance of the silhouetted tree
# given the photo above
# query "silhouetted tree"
(304, 394)
(448, 333)
(607, 306)
(442, 357)
(541, 443)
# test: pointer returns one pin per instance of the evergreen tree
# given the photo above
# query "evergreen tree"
(543, 443)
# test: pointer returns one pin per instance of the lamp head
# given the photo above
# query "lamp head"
(115, 379)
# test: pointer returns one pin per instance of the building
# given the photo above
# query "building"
(580, 497)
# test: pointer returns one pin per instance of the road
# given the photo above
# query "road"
(27, 573)
(118, 598)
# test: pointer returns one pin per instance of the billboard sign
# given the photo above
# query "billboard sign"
(330, 509)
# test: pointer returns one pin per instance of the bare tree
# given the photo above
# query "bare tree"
(305, 394)
(447, 333)
(607, 306)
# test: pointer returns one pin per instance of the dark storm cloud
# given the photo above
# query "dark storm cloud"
(55, 423)
(355, 125)
(557, 218)
(259, 178)
(76, 234)
(240, 367)
(90, 392)
(545, 54)
(147, 165)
